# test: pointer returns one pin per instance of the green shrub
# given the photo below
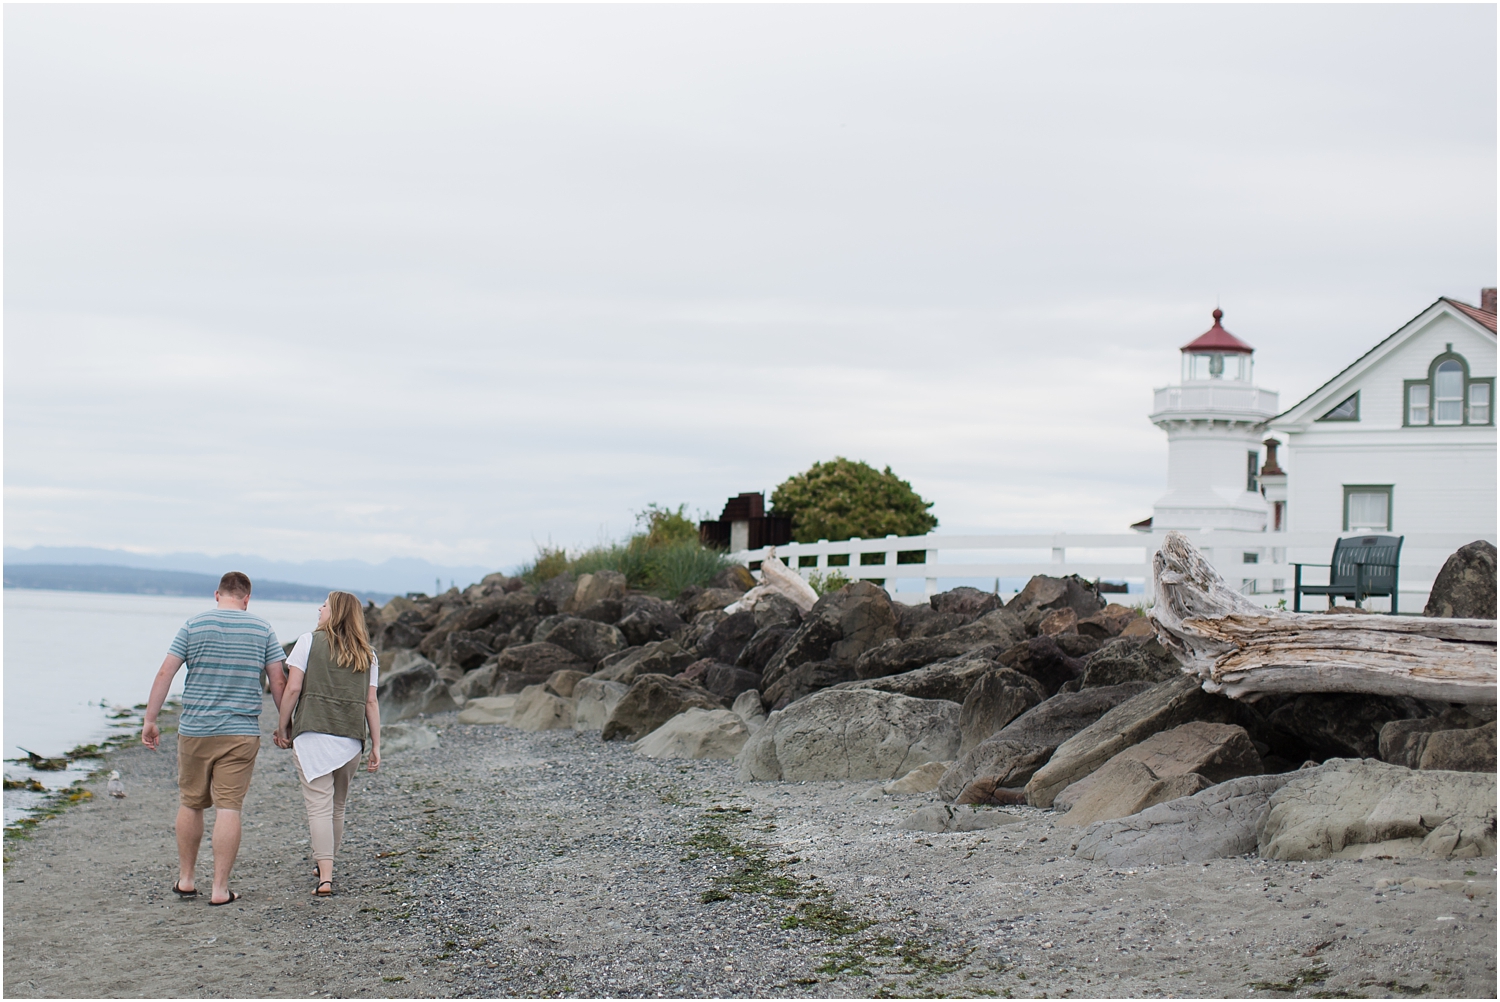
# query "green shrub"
(843, 498)
(825, 583)
(663, 557)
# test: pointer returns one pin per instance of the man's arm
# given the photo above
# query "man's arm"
(150, 733)
(276, 676)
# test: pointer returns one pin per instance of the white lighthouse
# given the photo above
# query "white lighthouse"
(1215, 421)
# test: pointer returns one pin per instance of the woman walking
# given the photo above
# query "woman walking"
(328, 704)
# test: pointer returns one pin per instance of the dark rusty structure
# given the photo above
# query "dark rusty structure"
(745, 525)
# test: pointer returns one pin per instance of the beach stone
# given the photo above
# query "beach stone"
(998, 697)
(596, 587)
(594, 699)
(728, 639)
(1466, 750)
(1129, 659)
(1058, 622)
(941, 818)
(851, 734)
(646, 618)
(989, 791)
(588, 641)
(1140, 626)
(804, 680)
(776, 610)
(736, 577)
(477, 684)
(538, 658)
(697, 671)
(1355, 809)
(606, 610)
(552, 596)
(1047, 660)
(764, 643)
(651, 701)
(998, 628)
(840, 627)
(1010, 756)
(561, 683)
(951, 679)
(696, 733)
(467, 649)
(1465, 587)
(536, 709)
(694, 601)
(660, 657)
(1342, 725)
(1108, 622)
(488, 710)
(1215, 751)
(965, 602)
(1215, 823)
(727, 681)
(1043, 594)
(750, 709)
(1125, 787)
(811, 641)
(413, 690)
(923, 779)
(916, 621)
(1159, 708)
(396, 738)
(1402, 742)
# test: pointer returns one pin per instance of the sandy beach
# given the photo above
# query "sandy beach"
(554, 864)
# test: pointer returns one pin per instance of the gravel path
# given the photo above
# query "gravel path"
(508, 863)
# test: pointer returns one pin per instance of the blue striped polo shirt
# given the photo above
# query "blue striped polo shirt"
(225, 649)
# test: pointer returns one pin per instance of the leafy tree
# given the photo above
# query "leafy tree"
(842, 498)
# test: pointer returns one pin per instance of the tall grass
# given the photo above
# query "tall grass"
(663, 558)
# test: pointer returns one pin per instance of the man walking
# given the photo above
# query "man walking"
(218, 735)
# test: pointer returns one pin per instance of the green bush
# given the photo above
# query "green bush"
(843, 498)
(663, 557)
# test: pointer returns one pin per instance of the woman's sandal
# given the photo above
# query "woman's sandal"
(318, 891)
(233, 897)
(177, 890)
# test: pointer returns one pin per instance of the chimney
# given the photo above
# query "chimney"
(1487, 300)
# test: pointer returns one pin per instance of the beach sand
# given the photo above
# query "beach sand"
(511, 863)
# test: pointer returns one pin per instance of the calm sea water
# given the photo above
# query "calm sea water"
(70, 656)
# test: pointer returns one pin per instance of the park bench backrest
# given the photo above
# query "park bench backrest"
(1380, 556)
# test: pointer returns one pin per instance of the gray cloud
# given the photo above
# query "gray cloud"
(331, 282)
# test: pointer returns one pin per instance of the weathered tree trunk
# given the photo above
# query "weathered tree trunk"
(1240, 649)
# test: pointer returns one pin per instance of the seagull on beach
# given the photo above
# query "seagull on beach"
(115, 788)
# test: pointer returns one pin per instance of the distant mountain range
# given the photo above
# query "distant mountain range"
(140, 581)
(396, 576)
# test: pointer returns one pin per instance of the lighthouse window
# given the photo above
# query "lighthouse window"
(1448, 393)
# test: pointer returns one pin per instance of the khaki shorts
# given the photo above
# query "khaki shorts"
(215, 770)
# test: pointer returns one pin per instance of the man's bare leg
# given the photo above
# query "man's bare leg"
(189, 837)
(226, 846)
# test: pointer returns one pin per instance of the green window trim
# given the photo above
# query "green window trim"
(1389, 490)
(1432, 367)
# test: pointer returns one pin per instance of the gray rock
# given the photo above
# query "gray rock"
(804, 680)
(914, 622)
(840, 627)
(695, 734)
(922, 779)
(727, 639)
(940, 818)
(562, 683)
(1000, 696)
(810, 642)
(396, 738)
(1342, 725)
(727, 681)
(412, 690)
(1046, 660)
(1402, 742)
(587, 640)
(764, 643)
(1044, 594)
(1216, 752)
(735, 577)
(750, 709)
(594, 699)
(1126, 787)
(539, 658)
(468, 649)
(651, 701)
(1216, 823)
(596, 587)
(1159, 708)
(774, 610)
(554, 595)
(694, 601)
(537, 709)
(851, 734)
(1464, 750)
(1465, 587)
(646, 618)
(1008, 758)
(965, 602)
(1129, 659)
(998, 628)
(605, 610)
(951, 680)
(1352, 809)
(660, 657)
(488, 710)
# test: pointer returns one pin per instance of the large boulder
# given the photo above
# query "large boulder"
(842, 626)
(594, 699)
(804, 680)
(537, 709)
(599, 586)
(539, 658)
(965, 602)
(1127, 787)
(1046, 660)
(562, 683)
(1216, 752)
(1215, 823)
(851, 734)
(1159, 708)
(916, 621)
(651, 701)
(694, 601)
(1129, 659)
(696, 733)
(1044, 594)
(411, 690)
(1458, 741)
(727, 639)
(1108, 622)
(774, 610)
(1000, 696)
(727, 681)
(997, 629)
(552, 596)
(1465, 587)
(660, 657)
(736, 577)
(588, 640)
(468, 649)
(405, 630)
(764, 643)
(1006, 759)
(750, 709)
(646, 618)
(1341, 725)
(488, 710)
(1350, 809)
(951, 680)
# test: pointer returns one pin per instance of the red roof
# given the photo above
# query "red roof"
(1216, 338)
(1474, 313)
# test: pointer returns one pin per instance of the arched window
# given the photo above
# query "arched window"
(1448, 393)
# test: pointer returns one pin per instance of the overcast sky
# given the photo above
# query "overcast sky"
(443, 282)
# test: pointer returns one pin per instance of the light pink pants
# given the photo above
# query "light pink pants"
(325, 798)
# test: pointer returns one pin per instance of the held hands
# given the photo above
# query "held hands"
(281, 739)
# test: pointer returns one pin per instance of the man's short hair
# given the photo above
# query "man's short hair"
(235, 583)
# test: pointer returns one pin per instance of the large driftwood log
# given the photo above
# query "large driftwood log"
(1240, 649)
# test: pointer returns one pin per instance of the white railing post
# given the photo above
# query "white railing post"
(823, 557)
(890, 564)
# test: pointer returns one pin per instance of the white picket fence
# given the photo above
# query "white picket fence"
(1120, 557)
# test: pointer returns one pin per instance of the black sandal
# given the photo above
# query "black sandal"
(233, 897)
(177, 890)
(318, 891)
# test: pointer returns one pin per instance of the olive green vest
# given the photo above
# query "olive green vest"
(333, 697)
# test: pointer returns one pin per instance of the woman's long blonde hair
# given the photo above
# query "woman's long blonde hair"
(348, 639)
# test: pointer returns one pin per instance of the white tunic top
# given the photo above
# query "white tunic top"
(319, 754)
